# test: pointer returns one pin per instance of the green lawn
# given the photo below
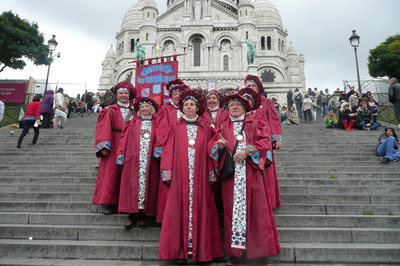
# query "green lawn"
(10, 116)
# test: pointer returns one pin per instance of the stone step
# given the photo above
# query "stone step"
(338, 190)
(47, 196)
(286, 208)
(119, 233)
(49, 180)
(327, 181)
(45, 187)
(338, 209)
(389, 168)
(39, 167)
(282, 220)
(51, 173)
(339, 175)
(133, 250)
(341, 199)
(46, 206)
(376, 162)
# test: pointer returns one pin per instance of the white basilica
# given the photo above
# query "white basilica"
(212, 34)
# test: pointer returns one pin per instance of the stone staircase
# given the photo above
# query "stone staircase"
(340, 204)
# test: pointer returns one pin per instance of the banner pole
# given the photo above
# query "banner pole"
(155, 58)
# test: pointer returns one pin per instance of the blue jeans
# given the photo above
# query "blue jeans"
(372, 127)
(386, 148)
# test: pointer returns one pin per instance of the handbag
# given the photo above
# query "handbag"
(228, 168)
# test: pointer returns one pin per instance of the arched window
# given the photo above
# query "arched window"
(226, 63)
(279, 45)
(262, 43)
(147, 36)
(246, 12)
(196, 52)
(283, 46)
(269, 43)
(247, 35)
(148, 14)
(132, 45)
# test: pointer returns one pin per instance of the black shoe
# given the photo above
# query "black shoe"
(18, 146)
(130, 224)
(384, 159)
(111, 209)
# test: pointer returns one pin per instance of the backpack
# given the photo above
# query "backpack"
(298, 97)
(324, 99)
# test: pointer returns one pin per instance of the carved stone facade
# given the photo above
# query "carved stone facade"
(212, 34)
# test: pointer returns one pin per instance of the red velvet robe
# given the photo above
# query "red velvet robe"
(268, 110)
(222, 115)
(108, 130)
(174, 231)
(166, 117)
(128, 156)
(262, 236)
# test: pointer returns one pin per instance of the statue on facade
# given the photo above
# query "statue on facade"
(197, 9)
(251, 51)
(140, 51)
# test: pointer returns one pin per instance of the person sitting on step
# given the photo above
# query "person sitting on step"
(366, 119)
(330, 119)
(347, 118)
(388, 146)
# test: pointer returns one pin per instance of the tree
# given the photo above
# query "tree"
(20, 38)
(384, 60)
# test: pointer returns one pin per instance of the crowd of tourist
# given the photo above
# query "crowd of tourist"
(187, 161)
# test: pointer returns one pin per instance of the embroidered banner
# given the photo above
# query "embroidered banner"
(152, 79)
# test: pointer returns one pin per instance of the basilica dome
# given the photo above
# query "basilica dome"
(134, 17)
(266, 13)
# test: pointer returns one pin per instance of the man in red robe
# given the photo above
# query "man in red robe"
(108, 130)
(267, 109)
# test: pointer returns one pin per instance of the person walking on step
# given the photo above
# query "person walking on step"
(307, 109)
(394, 97)
(47, 108)
(141, 170)
(388, 146)
(31, 119)
(108, 131)
(60, 110)
(298, 101)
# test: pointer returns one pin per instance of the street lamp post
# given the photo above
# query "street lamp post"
(52, 46)
(355, 42)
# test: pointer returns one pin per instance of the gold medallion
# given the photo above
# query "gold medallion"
(239, 137)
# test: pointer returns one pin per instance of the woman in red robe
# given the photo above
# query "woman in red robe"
(140, 174)
(214, 114)
(250, 230)
(190, 227)
(267, 109)
(108, 131)
(167, 116)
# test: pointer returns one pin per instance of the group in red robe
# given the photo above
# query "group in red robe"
(136, 134)
(250, 230)
(108, 131)
(190, 226)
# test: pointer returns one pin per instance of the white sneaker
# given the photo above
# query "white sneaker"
(398, 126)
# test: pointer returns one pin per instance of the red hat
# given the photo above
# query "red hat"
(197, 97)
(257, 80)
(254, 96)
(125, 85)
(175, 85)
(236, 96)
(219, 96)
(140, 100)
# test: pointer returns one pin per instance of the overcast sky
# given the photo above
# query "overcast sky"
(319, 29)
